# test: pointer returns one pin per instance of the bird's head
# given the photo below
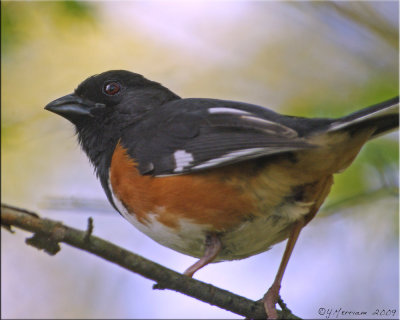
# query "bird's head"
(104, 104)
(106, 96)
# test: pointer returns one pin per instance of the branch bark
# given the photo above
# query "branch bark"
(49, 233)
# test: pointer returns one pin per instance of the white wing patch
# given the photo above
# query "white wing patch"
(182, 159)
(227, 110)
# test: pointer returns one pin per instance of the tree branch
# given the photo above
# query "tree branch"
(49, 233)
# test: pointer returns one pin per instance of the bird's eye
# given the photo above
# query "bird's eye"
(111, 88)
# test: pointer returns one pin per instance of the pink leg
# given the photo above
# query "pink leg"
(319, 191)
(213, 247)
(272, 295)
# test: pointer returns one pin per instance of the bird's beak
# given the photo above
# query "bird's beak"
(72, 107)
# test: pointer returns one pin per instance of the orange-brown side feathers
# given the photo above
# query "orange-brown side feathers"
(204, 198)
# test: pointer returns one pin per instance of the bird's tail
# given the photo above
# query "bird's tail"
(383, 116)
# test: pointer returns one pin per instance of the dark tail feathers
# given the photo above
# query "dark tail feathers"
(384, 116)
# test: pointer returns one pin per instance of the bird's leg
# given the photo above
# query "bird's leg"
(271, 297)
(212, 248)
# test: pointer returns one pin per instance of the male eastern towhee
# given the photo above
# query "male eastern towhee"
(214, 179)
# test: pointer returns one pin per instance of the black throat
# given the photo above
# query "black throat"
(99, 145)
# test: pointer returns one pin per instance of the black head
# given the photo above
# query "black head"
(104, 96)
(104, 104)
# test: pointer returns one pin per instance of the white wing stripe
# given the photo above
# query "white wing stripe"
(242, 155)
(269, 125)
(260, 120)
(229, 156)
(227, 110)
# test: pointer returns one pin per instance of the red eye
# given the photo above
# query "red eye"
(112, 88)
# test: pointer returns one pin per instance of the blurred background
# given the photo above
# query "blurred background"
(300, 58)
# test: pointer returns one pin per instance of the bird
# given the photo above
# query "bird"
(214, 179)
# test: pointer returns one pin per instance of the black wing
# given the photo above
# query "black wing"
(189, 135)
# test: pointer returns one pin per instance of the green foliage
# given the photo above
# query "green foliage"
(10, 34)
(75, 9)
(332, 104)
(18, 19)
